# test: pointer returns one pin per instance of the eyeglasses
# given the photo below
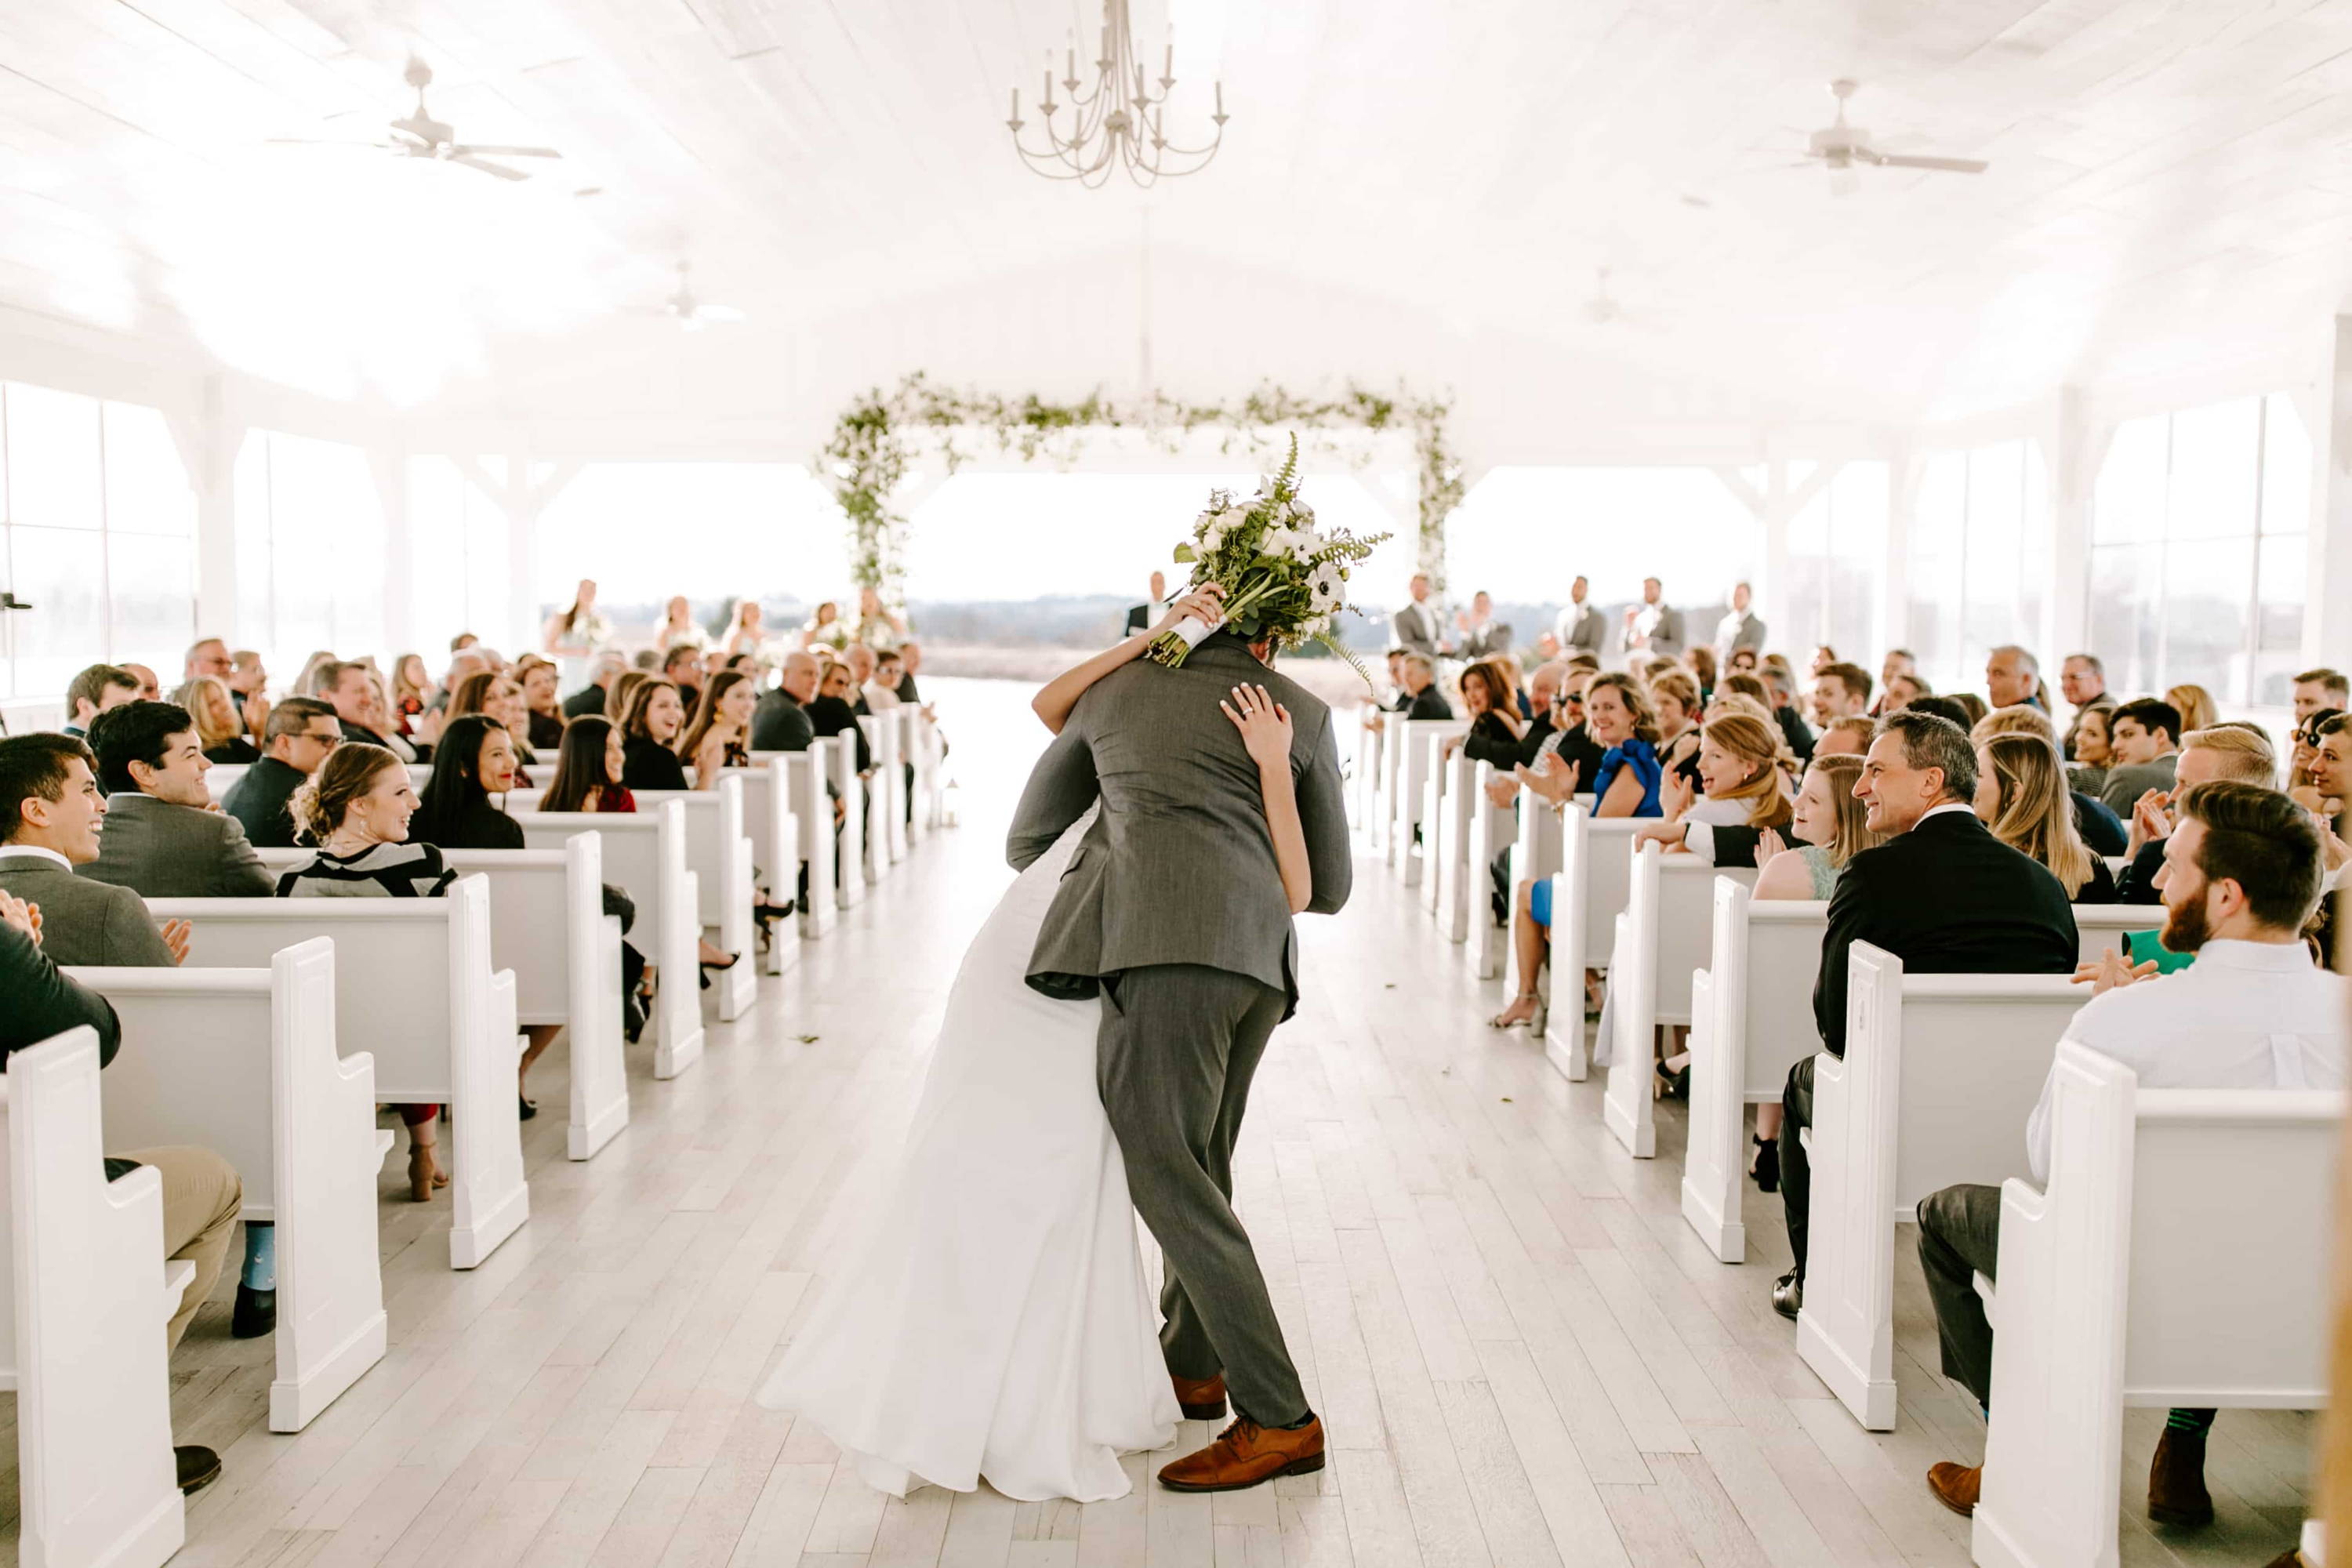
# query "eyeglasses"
(329, 742)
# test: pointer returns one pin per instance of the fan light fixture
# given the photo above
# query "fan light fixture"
(1117, 123)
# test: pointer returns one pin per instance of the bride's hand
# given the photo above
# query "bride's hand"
(1264, 725)
(1205, 604)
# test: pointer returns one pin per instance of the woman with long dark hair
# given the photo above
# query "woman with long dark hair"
(588, 770)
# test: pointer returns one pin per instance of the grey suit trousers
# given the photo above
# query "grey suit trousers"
(1178, 1047)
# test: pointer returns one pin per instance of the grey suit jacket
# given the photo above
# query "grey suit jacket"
(164, 851)
(1486, 641)
(2124, 785)
(1408, 633)
(1581, 629)
(1180, 867)
(84, 921)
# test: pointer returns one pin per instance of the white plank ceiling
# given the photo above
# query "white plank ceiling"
(1423, 187)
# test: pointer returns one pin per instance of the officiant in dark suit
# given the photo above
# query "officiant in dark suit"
(1143, 618)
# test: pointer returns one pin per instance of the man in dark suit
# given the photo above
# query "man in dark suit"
(345, 685)
(1144, 616)
(780, 720)
(1421, 688)
(1942, 894)
(93, 692)
(590, 698)
(165, 837)
(301, 732)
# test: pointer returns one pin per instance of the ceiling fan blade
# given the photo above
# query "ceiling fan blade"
(1948, 165)
(469, 148)
(500, 170)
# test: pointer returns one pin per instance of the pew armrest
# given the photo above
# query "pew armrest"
(179, 1273)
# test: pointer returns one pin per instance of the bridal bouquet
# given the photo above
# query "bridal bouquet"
(1283, 576)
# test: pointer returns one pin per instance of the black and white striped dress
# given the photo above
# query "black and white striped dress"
(379, 871)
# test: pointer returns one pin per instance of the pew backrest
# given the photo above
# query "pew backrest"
(2100, 927)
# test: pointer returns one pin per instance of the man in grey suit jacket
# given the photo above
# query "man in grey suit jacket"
(50, 809)
(1416, 627)
(165, 837)
(1580, 626)
(1173, 910)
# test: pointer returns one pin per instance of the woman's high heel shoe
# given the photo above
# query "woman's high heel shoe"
(1765, 1165)
(1533, 1019)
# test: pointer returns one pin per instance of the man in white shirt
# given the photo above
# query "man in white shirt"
(1738, 630)
(2242, 876)
(1653, 626)
(1416, 625)
(1580, 626)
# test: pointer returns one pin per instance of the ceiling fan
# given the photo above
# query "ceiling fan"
(419, 135)
(1842, 149)
(694, 314)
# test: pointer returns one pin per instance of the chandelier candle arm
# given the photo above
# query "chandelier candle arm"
(1118, 122)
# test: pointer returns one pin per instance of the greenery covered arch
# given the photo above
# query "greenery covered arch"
(877, 438)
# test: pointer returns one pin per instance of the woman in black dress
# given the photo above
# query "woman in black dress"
(649, 729)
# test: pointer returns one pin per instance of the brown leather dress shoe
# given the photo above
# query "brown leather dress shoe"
(1201, 1398)
(1956, 1486)
(1246, 1453)
(2175, 1482)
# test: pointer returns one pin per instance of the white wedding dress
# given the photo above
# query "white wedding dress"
(996, 1322)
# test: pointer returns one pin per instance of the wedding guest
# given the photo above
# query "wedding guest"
(678, 627)
(164, 838)
(356, 808)
(248, 682)
(2011, 677)
(475, 761)
(1740, 782)
(1823, 657)
(591, 697)
(1942, 894)
(1420, 687)
(830, 714)
(826, 628)
(2087, 745)
(2196, 707)
(302, 730)
(1973, 707)
(2145, 745)
(1848, 736)
(2303, 756)
(463, 663)
(2083, 682)
(413, 693)
(202, 1196)
(1840, 691)
(780, 720)
(860, 660)
(150, 689)
(95, 690)
(543, 714)
(588, 770)
(1495, 729)
(878, 627)
(2239, 754)
(624, 687)
(52, 817)
(1698, 661)
(219, 730)
(1618, 715)
(910, 663)
(579, 630)
(1898, 662)
(2242, 876)
(306, 680)
(1781, 696)
(648, 731)
(1902, 691)
(2330, 770)
(2102, 829)
(720, 733)
(1674, 699)
(347, 685)
(206, 655)
(1144, 616)
(2021, 796)
(881, 690)
(2315, 690)
(682, 667)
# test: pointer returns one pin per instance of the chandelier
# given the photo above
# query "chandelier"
(1117, 123)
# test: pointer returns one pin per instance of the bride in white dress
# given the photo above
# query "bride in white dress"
(997, 1322)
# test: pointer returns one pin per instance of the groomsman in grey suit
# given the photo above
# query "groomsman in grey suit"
(165, 837)
(1580, 626)
(1416, 627)
(1653, 626)
(1738, 630)
(1174, 911)
(1483, 637)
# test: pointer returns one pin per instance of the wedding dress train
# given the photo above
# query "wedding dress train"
(996, 1322)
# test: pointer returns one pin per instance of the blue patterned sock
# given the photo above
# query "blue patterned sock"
(260, 1271)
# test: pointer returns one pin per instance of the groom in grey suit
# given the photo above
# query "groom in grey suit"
(1172, 911)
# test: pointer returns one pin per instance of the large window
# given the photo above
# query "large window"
(461, 564)
(1836, 544)
(98, 537)
(2198, 551)
(1979, 561)
(310, 550)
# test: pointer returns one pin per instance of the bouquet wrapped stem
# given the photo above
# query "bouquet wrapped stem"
(1283, 577)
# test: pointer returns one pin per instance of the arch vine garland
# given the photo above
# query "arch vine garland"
(875, 441)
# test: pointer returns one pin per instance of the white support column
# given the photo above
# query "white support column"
(1904, 469)
(389, 471)
(2328, 597)
(208, 437)
(2075, 449)
(522, 501)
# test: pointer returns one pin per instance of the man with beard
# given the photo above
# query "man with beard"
(2242, 872)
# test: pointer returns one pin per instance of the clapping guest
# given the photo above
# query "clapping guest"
(219, 730)
(248, 682)
(2021, 796)
(719, 736)
(1739, 775)
(165, 837)
(650, 732)
(2239, 754)
(2242, 876)
(302, 730)
(2145, 741)
(356, 809)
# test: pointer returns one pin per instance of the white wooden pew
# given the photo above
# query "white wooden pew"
(1757, 1024)
(548, 925)
(719, 859)
(243, 1062)
(1460, 878)
(414, 989)
(2100, 927)
(1492, 832)
(88, 1295)
(1415, 754)
(1535, 854)
(221, 777)
(1365, 791)
(1443, 785)
(2178, 1258)
(775, 835)
(1591, 882)
(857, 868)
(930, 777)
(645, 856)
(885, 841)
(1940, 1075)
(919, 749)
(1663, 937)
(820, 839)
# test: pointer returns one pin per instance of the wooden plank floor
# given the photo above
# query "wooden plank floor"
(1521, 1353)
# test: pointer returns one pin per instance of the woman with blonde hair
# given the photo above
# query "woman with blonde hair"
(2198, 710)
(219, 730)
(625, 686)
(2102, 831)
(1739, 769)
(2021, 796)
